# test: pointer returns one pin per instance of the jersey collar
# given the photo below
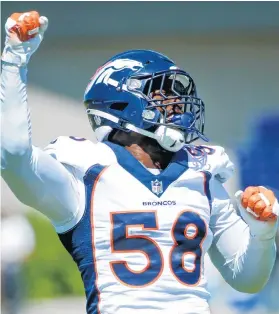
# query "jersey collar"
(159, 183)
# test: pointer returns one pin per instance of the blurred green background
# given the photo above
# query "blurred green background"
(50, 271)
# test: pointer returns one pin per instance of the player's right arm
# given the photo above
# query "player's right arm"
(37, 179)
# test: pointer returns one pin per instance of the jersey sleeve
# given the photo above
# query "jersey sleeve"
(244, 260)
(35, 177)
(76, 152)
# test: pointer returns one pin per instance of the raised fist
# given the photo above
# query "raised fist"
(260, 202)
(26, 25)
(24, 33)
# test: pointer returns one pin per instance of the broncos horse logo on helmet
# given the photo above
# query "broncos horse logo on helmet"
(132, 91)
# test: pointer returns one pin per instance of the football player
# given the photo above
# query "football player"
(139, 209)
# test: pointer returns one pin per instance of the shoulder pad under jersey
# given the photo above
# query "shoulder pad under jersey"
(79, 152)
(212, 159)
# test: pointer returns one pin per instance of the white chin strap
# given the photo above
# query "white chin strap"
(170, 139)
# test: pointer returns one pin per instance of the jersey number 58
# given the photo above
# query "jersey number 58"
(183, 243)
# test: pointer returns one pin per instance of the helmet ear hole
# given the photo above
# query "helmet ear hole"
(120, 106)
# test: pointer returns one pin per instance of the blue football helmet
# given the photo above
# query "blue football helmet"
(131, 92)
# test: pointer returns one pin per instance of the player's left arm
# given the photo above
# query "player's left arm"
(243, 248)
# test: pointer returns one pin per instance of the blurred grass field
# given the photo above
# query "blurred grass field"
(50, 272)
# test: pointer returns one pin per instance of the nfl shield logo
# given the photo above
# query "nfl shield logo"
(157, 187)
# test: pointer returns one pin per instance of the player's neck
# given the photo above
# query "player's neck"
(145, 149)
(143, 157)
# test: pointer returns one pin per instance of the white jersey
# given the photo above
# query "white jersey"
(151, 232)
(148, 250)
(138, 238)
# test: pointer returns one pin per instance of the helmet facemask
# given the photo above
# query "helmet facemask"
(172, 94)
